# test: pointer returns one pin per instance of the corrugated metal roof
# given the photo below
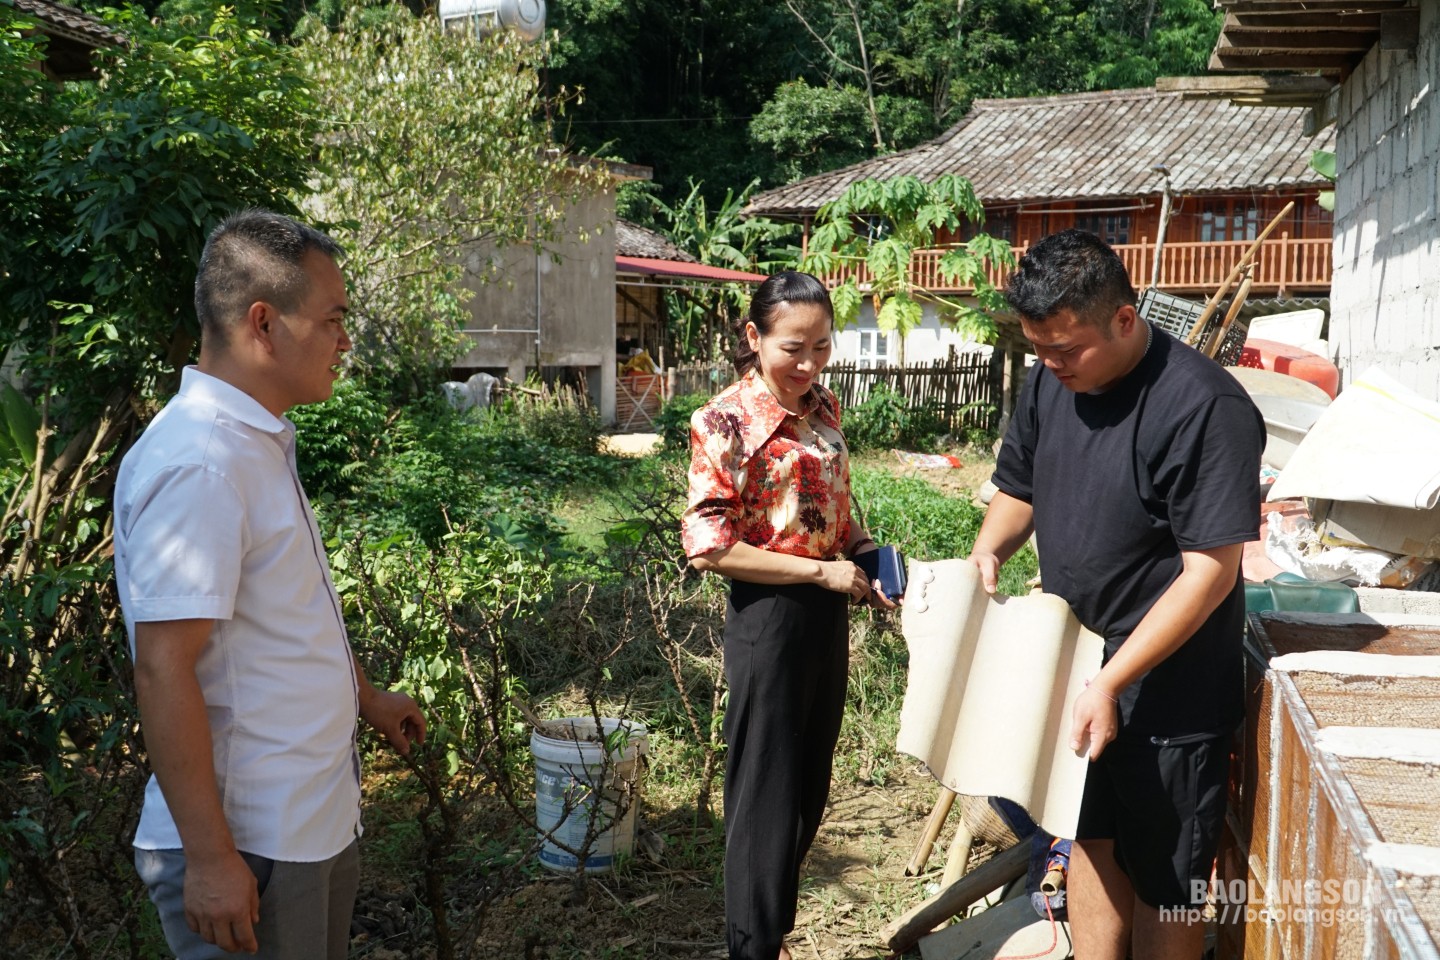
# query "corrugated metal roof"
(670, 268)
(633, 240)
(1090, 146)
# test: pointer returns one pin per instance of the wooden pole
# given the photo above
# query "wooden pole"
(1236, 304)
(1214, 302)
(957, 858)
(902, 934)
(943, 802)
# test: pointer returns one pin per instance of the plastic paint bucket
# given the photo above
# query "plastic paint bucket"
(587, 779)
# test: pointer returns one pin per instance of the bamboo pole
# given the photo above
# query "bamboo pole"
(943, 802)
(1236, 304)
(1244, 263)
(957, 858)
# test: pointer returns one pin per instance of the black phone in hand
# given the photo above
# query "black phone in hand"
(887, 565)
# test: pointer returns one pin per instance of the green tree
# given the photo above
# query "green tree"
(813, 129)
(673, 85)
(435, 153)
(900, 216)
(107, 191)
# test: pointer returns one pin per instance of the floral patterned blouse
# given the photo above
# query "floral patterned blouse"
(766, 477)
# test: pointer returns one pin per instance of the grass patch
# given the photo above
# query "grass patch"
(927, 524)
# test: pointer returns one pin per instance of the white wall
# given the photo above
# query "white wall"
(1387, 236)
(930, 341)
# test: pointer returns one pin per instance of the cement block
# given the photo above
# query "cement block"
(1412, 270)
(1420, 198)
(1367, 226)
(1433, 178)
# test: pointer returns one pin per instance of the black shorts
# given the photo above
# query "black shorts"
(1163, 807)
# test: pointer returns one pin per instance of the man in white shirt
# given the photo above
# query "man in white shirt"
(249, 694)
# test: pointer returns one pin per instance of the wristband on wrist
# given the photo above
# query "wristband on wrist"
(855, 547)
(1102, 693)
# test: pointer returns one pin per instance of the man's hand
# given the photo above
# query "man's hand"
(1094, 723)
(222, 901)
(989, 565)
(1008, 524)
(394, 716)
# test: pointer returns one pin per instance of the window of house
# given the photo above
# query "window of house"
(1222, 220)
(999, 224)
(1113, 228)
(874, 350)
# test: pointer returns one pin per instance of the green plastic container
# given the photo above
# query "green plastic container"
(1290, 593)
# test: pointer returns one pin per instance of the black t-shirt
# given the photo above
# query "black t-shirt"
(1166, 460)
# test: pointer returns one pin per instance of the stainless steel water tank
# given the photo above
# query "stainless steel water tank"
(525, 17)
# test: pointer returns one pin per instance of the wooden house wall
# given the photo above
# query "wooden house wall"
(1194, 218)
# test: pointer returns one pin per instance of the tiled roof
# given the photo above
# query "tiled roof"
(633, 240)
(68, 21)
(1090, 146)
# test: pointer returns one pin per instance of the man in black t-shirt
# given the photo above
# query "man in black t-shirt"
(1135, 461)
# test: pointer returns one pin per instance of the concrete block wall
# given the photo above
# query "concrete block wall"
(575, 310)
(1387, 233)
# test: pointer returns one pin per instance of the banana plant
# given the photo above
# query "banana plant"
(19, 427)
(1323, 163)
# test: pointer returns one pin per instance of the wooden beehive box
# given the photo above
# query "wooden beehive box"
(1303, 821)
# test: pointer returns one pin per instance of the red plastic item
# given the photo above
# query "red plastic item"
(1283, 358)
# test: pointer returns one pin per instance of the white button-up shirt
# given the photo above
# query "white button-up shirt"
(211, 523)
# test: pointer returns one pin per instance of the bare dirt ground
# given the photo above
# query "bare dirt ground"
(963, 481)
(630, 444)
(853, 885)
(853, 881)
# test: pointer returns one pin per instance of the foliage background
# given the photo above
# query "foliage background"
(726, 92)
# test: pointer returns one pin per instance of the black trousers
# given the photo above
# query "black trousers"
(786, 657)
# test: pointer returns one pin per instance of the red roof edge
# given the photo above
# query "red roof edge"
(674, 268)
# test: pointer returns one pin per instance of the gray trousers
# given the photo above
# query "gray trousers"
(305, 908)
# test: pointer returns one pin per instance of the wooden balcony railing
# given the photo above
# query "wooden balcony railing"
(1282, 265)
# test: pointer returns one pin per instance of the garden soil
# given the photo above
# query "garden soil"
(853, 884)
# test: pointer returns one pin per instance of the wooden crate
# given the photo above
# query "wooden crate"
(1302, 819)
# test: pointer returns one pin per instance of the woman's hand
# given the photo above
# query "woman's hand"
(878, 600)
(842, 576)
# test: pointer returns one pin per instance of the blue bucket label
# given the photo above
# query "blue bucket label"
(566, 803)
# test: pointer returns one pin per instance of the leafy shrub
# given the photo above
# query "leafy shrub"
(334, 439)
(429, 470)
(562, 421)
(673, 421)
(885, 420)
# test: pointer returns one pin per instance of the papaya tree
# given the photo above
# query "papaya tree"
(880, 224)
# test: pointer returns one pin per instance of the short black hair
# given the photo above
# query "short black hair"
(1070, 270)
(253, 255)
(787, 286)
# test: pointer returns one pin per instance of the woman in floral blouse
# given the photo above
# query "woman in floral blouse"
(769, 508)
